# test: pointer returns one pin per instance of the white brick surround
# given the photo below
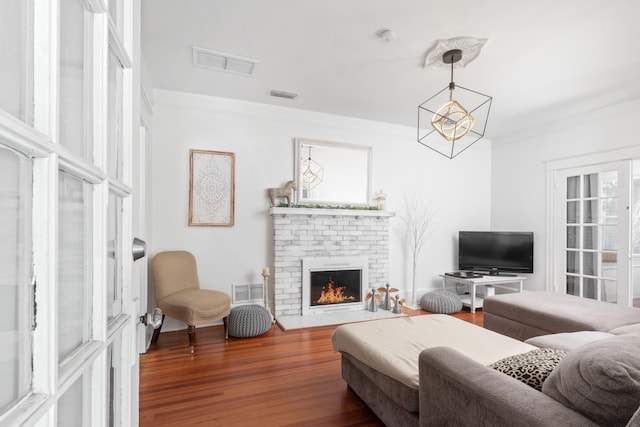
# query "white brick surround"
(305, 233)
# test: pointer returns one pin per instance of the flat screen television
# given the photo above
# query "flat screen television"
(494, 252)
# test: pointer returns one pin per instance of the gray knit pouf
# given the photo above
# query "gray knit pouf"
(248, 321)
(441, 301)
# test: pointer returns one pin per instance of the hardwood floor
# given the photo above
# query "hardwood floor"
(281, 378)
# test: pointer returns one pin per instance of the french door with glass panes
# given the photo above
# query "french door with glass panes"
(67, 324)
(593, 232)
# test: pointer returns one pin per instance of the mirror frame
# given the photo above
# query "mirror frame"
(300, 142)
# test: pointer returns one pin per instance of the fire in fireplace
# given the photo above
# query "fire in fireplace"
(333, 284)
(335, 287)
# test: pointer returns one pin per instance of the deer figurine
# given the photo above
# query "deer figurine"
(282, 192)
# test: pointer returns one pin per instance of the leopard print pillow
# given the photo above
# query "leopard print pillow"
(533, 367)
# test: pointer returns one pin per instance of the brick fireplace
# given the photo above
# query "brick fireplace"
(338, 234)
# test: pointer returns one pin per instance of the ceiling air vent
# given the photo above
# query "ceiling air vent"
(224, 62)
(282, 94)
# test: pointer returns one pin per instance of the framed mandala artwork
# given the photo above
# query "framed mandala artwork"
(211, 188)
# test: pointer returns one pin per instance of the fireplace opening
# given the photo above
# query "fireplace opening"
(330, 287)
(333, 284)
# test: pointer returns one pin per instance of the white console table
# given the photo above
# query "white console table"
(473, 301)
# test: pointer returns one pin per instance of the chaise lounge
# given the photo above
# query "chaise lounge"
(531, 314)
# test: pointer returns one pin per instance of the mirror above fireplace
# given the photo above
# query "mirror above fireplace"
(332, 173)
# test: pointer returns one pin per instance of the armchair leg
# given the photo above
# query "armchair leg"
(191, 330)
(225, 320)
(156, 332)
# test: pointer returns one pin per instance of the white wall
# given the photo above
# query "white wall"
(261, 137)
(519, 170)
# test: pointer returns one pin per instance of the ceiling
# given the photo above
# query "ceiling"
(544, 60)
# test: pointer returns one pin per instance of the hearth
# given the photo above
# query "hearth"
(333, 284)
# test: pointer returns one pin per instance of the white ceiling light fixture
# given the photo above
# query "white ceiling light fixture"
(386, 36)
(224, 62)
(450, 125)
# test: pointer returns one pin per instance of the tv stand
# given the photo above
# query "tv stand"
(496, 274)
(474, 301)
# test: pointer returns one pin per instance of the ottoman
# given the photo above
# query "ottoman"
(248, 321)
(441, 302)
(380, 358)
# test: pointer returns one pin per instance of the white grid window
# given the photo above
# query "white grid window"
(71, 410)
(15, 273)
(65, 99)
(16, 86)
(75, 79)
(114, 257)
(74, 267)
(114, 116)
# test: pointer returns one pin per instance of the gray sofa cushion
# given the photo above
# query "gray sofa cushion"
(568, 340)
(456, 391)
(627, 329)
(532, 367)
(553, 312)
(600, 380)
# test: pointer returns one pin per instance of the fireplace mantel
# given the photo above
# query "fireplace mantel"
(309, 232)
(330, 212)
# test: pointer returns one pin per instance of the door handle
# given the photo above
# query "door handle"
(139, 248)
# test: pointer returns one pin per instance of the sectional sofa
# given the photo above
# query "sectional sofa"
(437, 370)
(530, 314)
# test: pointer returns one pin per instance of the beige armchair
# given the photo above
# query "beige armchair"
(179, 295)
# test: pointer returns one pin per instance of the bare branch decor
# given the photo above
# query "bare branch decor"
(211, 188)
(417, 219)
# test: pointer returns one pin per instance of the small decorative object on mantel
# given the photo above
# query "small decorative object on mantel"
(381, 200)
(282, 192)
(387, 298)
(397, 302)
(373, 299)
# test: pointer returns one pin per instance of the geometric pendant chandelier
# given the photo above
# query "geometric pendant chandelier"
(453, 119)
(312, 173)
